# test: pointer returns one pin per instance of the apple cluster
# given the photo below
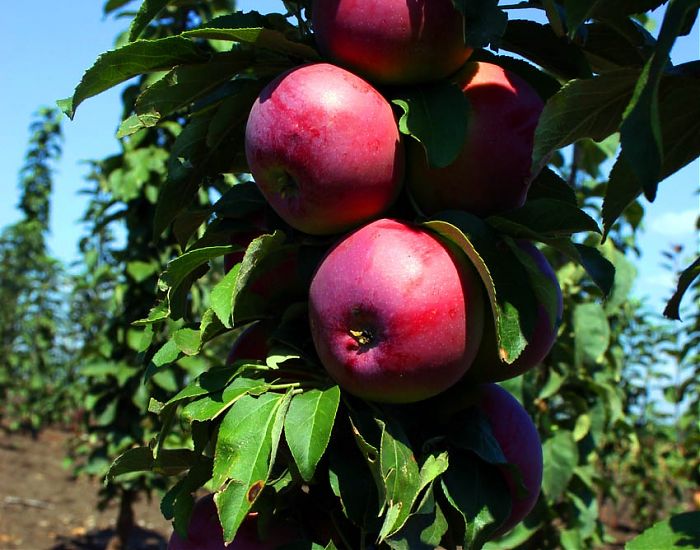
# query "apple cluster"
(398, 313)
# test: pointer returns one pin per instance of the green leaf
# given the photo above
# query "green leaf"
(400, 475)
(185, 83)
(478, 492)
(588, 108)
(148, 10)
(546, 218)
(208, 382)
(188, 341)
(577, 11)
(308, 425)
(484, 21)
(592, 333)
(168, 353)
(680, 130)
(353, 484)
(212, 405)
(178, 501)
(424, 529)
(625, 274)
(540, 45)
(182, 266)
(560, 455)
(679, 531)
(222, 296)
(548, 185)
(437, 116)
(599, 268)
(249, 28)
(137, 122)
(133, 59)
(686, 278)
(266, 278)
(512, 303)
(641, 135)
(170, 462)
(242, 457)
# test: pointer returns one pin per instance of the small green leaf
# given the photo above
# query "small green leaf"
(679, 531)
(437, 116)
(222, 296)
(687, 277)
(148, 10)
(308, 426)
(484, 21)
(592, 333)
(560, 455)
(478, 492)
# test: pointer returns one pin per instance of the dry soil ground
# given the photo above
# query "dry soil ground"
(43, 508)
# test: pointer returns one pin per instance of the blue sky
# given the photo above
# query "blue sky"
(48, 49)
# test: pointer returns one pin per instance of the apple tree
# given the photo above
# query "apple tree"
(36, 375)
(273, 432)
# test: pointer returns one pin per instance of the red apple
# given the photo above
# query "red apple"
(488, 367)
(324, 149)
(392, 41)
(396, 314)
(518, 438)
(251, 343)
(493, 170)
(204, 532)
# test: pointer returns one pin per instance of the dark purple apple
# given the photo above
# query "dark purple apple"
(324, 149)
(518, 438)
(251, 343)
(487, 366)
(204, 532)
(392, 41)
(493, 170)
(396, 314)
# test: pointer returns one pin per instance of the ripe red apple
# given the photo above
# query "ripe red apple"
(518, 438)
(492, 171)
(251, 343)
(392, 41)
(396, 314)
(204, 532)
(324, 149)
(488, 367)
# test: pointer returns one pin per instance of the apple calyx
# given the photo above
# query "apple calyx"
(287, 186)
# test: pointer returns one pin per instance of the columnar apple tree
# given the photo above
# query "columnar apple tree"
(387, 203)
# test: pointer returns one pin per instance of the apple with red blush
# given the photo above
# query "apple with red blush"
(396, 313)
(488, 367)
(324, 149)
(392, 41)
(204, 532)
(492, 171)
(517, 436)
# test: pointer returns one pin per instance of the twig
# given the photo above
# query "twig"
(27, 502)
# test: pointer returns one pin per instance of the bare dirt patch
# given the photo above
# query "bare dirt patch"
(42, 507)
